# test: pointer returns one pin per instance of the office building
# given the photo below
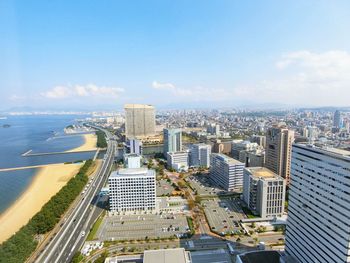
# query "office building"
(264, 192)
(132, 190)
(255, 158)
(139, 121)
(226, 172)
(259, 139)
(172, 140)
(178, 160)
(213, 129)
(200, 155)
(239, 145)
(132, 160)
(318, 225)
(278, 150)
(337, 119)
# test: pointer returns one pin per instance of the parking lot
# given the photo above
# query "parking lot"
(202, 185)
(133, 227)
(164, 188)
(223, 215)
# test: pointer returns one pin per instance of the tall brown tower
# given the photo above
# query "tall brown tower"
(279, 150)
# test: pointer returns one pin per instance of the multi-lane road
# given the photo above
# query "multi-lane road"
(77, 225)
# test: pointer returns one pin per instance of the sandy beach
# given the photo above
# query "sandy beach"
(89, 144)
(46, 183)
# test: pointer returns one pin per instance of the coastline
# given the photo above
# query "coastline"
(90, 141)
(46, 183)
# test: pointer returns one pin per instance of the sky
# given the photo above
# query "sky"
(102, 54)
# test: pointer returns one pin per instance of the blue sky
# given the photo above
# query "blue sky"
(102, 54)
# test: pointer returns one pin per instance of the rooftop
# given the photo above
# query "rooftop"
(227, 159)
(336, 151)
(175, 153)
(261, 257)
(138, 106)
(175, 255)
(127, 155)
(262, 172)
(132, 172)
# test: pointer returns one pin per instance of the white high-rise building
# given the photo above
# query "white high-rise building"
(139, 120)
(132, 190)
(172, 140)
(226, 172)
(318, 225)
(200, 155)
(264, 192)
(178, 160)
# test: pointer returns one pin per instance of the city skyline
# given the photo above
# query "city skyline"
(78, 56)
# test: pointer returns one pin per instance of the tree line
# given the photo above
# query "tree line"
(101, 139)
(22, 244)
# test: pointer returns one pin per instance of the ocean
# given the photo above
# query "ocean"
(41, 134)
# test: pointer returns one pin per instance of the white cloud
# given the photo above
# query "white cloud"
(299, 78)
(90, 90)
(305, 78)
(163, 86)
(194, 93)
(16, 97)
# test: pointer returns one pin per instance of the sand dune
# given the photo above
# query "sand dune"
(46, 183)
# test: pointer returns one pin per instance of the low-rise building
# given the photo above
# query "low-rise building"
(264, 192)
(178, 160)
(172, 255)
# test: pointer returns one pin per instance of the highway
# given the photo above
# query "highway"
(70, 237)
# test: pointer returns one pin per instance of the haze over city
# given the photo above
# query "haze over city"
(78, 55)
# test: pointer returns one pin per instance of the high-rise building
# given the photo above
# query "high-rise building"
(264, 192)
(278, 151)
(226, 172)
(139, 120)
(318, 225)
(134, 146)
(172, 140)
(337, 119)
(178, 160)
(132, 190)
(200, 155)
(213, 129)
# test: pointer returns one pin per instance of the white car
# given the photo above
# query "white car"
(83, 233)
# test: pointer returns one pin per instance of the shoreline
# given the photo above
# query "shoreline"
(47, 181)
(90, 141)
